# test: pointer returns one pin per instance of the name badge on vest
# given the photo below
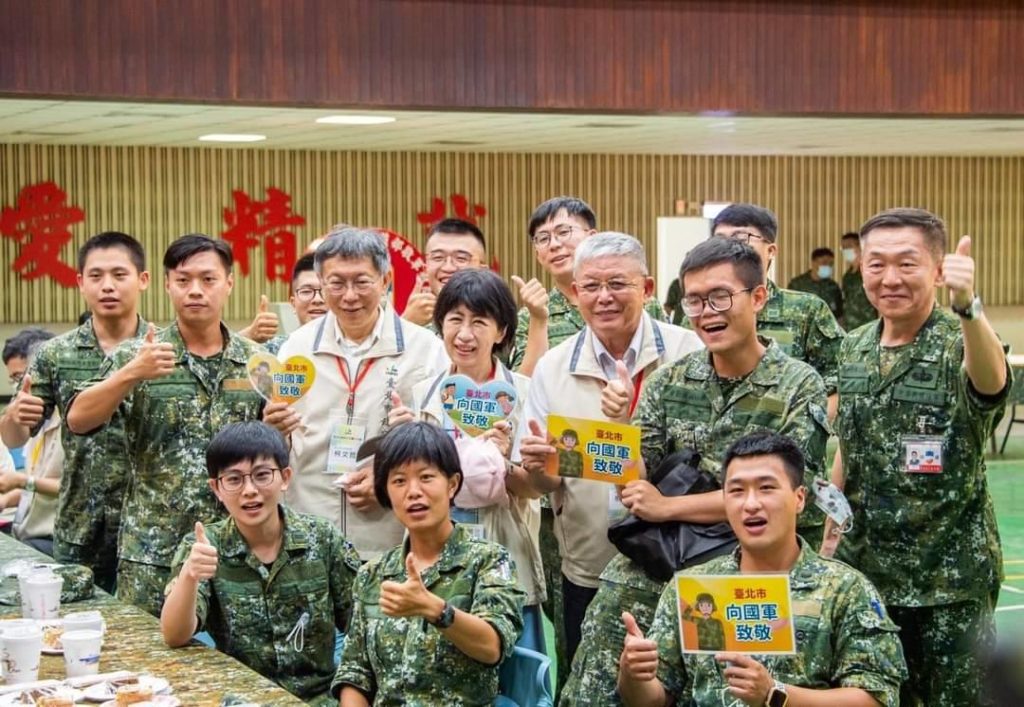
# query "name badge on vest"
(616, 510)
(922, 454)
(346, 438)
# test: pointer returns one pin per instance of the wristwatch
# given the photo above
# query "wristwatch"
(447, 617)
(777, 696)
(970, 311)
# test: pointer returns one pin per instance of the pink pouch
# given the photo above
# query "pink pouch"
(483, 474)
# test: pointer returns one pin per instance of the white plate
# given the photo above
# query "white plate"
(159, 700)
(14, 698)
(102, 691)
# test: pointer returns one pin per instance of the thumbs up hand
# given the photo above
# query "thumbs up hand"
(264, 326)
(419, 308)
(26, 409)
(399, 413)
(535, 448)
(639, 658)
(533, 296)
(202, 560)
(411, 597)
(618, 394)
(154, 359)
(958, 274)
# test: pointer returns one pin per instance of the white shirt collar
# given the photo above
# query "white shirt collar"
(352, 349)
(607, 361)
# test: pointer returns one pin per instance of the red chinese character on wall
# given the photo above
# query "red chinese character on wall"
(252, 223)
(460, 205)
(41, 222)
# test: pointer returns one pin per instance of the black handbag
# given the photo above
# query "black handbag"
(662, 549)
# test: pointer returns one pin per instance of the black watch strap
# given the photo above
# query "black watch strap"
(447, 617)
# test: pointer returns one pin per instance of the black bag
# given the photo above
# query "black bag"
(662, 549)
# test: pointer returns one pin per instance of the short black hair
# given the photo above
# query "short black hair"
(705, 598)
(458, 227)
(851, 236)
(25, 343)
(245, 441)
(573, 206)
(193, 244)
(768, 444)
(570, 433)
(738, 215)
(113, 239)
(745, 260)
(931, 226)
(821, 253)
(303, 264)
(485, 294)
(413, 442)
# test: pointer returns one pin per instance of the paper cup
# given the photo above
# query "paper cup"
(21, 648)
(84, 621)
(82, 652)
(43, 594)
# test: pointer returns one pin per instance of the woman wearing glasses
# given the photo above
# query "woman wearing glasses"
(270, 585)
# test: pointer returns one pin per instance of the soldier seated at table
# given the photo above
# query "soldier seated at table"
(269, 584)
(847, 649)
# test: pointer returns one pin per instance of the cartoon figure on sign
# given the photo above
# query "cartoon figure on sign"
(710, 634)
(448, 397)
(262, 380)
(506, 401)
(570, 460)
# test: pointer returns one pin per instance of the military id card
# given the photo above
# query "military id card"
(343, 448)
(470, 518)
(922, 454)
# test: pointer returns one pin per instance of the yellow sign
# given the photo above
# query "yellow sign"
(597, 450)
(738, 613)
(281, 382)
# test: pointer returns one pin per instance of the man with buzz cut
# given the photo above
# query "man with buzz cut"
(111, 277)
(818, 281)
(173, 389)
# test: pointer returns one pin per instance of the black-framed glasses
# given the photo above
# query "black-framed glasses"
(459, 258)
(717, 300)
(234, 481)
(542, 239)
(741, 236)
(308, 294)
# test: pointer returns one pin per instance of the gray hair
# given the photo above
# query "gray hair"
(610, 244)
(351, 243)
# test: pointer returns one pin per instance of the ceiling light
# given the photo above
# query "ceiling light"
(355, 119)
(232, 137)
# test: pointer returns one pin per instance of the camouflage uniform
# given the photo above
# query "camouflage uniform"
(843, 637)
(674, 299)
(95, 467)
(686, 405)
(168, 424)
(710, 634)
(250, 610)
(825, 289)
(274, 345)
(857, 309)
(406, 661)
(564, 322)
(804, 327)
(928, 541)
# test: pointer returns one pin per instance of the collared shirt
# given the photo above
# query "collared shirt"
(169, 422)
(406, 661)
(254, 612)
(607, 361)
(844, 638)
(45, 460)
(96, 467)
(354, 351)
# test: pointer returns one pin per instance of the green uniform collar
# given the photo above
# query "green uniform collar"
(85, 335)
(766, 374)
(802, 575)
(234, 545)
(234, 349)
(452, 558)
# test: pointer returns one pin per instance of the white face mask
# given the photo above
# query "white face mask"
(824, 271)
(849, 255)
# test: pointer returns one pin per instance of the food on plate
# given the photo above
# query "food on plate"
(51, 637)
(133, 694)
(55, 701)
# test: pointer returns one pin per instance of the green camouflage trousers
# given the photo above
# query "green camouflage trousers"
(142, 585)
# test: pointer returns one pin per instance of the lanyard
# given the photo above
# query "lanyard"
(353, 386)
(637, 382)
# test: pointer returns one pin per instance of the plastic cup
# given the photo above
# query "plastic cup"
(84, 621)
(7, 626)
(22, 646)
(42, 592)
(82, 652)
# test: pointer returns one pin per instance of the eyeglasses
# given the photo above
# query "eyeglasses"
(717, 300)
(741, 236)
(542, 239)
(233, 481)
(459, 258)
(615, 287)
(361, 286)
(308, 294)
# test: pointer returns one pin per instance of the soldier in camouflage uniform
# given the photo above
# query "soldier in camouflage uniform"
(844, 640)
(270, 585)
(705, 401)
(173, 389)
(800, 323)
(436, 615)
(928, 381)
(857, 309)
(818, 281)
(112, 268)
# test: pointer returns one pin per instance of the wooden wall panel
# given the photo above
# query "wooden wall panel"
(159, 194)
(748, 56)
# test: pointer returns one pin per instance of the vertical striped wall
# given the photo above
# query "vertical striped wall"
(158, 194)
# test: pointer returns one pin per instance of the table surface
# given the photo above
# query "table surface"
(199, 675)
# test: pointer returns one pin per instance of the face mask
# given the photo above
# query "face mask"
(849, 254)
(824, 271)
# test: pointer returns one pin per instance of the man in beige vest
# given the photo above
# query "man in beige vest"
(597, 373)
(364, 355)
